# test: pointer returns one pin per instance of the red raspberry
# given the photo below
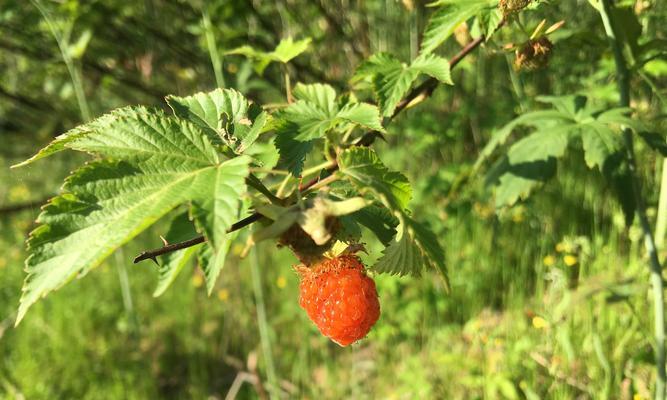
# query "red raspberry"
(340, 298)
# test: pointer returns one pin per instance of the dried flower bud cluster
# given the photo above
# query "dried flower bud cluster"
(534, 54)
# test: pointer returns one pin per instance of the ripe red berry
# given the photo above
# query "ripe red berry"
(340, 298)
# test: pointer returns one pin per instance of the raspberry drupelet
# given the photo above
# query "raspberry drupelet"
(340, 298)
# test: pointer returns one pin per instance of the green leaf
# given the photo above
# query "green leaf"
(362, 114)
(619, 116)
(314, 115)
(488, 21)
(306, 121)
(181, 229)
(211, 261)
(286, 50)
(599, 143)
(365, 170)
(205, 109)
(248, 136)
(392, 79)
(379, 220)
(320, 96)
(215, 213)
(540, 145)
(434, 66)
(518, 181)
(77, 49)
(414, 247)
(150, 163)
(571, 117)
(571, 106)
(378, 63)
(226, 116)
(65, 141)
(445, 19)
(292, 152)
(392, 86)
(538, 119)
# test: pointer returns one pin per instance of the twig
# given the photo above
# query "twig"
(422, 91)
(153, 254)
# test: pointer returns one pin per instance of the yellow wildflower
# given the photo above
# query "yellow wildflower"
(223, 294)
(281, 282)
(540, 323)
(197, 280)
(549, 260)
(570, 260)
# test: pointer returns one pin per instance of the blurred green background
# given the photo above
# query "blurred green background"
(549, 299)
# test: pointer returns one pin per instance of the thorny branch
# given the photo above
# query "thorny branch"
(417, 94)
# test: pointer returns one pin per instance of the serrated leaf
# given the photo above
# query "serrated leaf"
(65, 141)
(532, 160)
(414, 247)
(434, 66)
(378, 63)
(365, 170)
(320, 96)
(540, 145)
(314, 115)
(537, 119)
(488, 21)
(212, 261)
(362, 114)
(519, 180)
(392, 86)
(599, 144)
(445, 19)
(150, 164)
(286, 50)
(225, 115)
(571, 105)
(215, 213)
(619, 116)
(292, 152)
(379, 220)
(249, 136)
(306, 121)
(392, 79)
(205, 109)
(181, 229)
